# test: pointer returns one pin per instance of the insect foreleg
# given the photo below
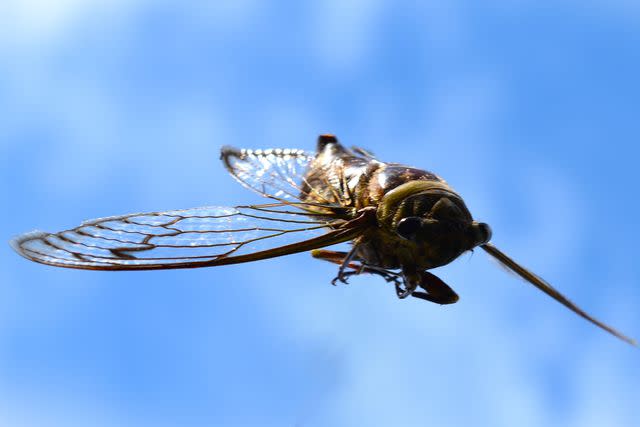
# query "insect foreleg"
(346, 262)
(336, 257)
(437, 291)
(411, 280)
(358, 267)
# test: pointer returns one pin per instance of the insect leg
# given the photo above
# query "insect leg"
(338, 257)
(346, 263)
(437, 291)
(411, 279)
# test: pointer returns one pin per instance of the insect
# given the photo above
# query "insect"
(401, 222)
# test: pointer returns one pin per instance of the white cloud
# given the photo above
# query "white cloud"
(41, 24)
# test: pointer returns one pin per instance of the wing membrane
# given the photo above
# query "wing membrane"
(280, 174)
(274, 173)
(198, 237)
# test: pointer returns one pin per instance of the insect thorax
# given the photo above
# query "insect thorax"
(397, 192)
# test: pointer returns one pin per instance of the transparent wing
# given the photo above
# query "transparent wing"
(199, 237)
(277, 173)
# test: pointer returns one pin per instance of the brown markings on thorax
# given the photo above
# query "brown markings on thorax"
(338, 175)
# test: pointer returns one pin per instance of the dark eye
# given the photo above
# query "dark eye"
(408, 227)
(481, 233)
(485, 232)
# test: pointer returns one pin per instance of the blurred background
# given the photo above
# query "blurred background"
(528, 109)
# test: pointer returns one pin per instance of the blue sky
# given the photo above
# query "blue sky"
(528, 109)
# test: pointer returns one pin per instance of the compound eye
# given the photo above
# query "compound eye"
(408, 227)
(485, 232)
(481, 233)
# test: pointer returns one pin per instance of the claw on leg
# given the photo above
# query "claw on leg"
(404, 290)
(344, 259)
(436, 290)
(346, 263)
(341, 277)
(357, 267)
(411, 280)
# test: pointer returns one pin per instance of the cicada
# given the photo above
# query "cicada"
(401, 222)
